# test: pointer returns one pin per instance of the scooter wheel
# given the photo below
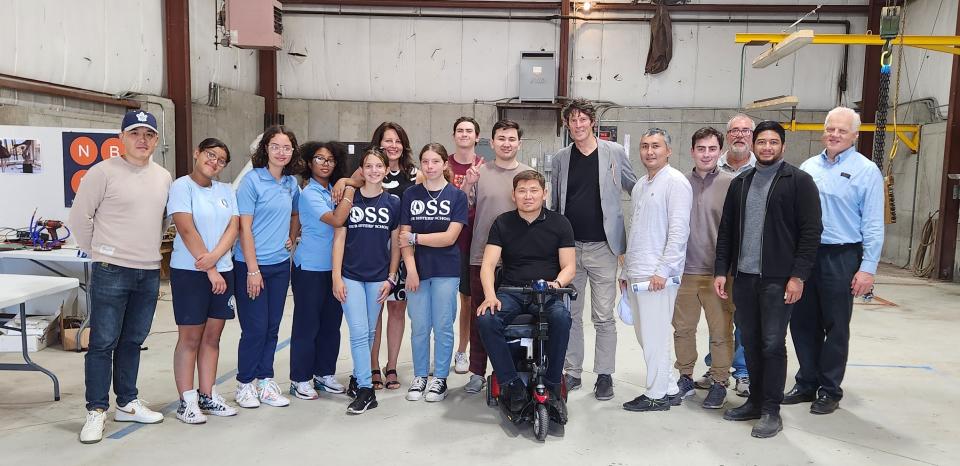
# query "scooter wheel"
(491, 400)
(541, 422)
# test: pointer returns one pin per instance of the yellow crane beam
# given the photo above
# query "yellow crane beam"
(948, 44)
(908, 134)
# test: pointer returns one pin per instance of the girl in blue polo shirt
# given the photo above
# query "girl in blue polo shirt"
(365, 262)
(315, 336)
(432, 215)
(267, 199)
(201, 278)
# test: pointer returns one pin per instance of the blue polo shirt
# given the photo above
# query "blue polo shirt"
(271, 203)
(315, 252)
(432, 212)
(212, 209)
(366, 256)
(851, 202)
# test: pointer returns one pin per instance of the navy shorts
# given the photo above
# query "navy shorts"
(193, 298)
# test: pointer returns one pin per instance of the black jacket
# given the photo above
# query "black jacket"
(791, 226)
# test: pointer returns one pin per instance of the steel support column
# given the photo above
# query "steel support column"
(563, 54)
(267, 87)
(177, 54)
(946, 250)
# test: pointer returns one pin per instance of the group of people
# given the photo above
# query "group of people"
(739, 236)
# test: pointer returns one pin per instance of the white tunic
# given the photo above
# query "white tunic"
(657, 242)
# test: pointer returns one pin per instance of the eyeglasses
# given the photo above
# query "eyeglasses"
(324, 161)
(739, 132)
(278, 149)
(212, 156)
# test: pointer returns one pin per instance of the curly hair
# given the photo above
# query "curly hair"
(406, 157)
(310, 148)
(260, 158)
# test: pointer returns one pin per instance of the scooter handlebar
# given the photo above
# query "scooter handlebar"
(569, 290)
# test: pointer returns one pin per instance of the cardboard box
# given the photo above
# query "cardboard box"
(41, 332)
(69, 327)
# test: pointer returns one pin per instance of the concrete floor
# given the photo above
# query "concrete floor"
(901, 385)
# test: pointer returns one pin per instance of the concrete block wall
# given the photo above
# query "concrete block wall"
(236, 121)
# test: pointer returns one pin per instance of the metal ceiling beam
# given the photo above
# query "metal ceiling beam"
(479, 5)
(17, 83)
(733, 8)
(176, 50)
(946, 250)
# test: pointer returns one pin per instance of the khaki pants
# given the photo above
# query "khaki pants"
(696, 291)
(597, 264)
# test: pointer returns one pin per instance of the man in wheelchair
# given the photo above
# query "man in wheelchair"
(534, 243)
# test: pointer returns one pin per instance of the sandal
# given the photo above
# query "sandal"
(391, 384)
(377, 384)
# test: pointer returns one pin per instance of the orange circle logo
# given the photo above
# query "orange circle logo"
(83, 151)
(75, 180)
(112, 147)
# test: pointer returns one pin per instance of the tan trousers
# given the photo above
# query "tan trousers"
(696, 291)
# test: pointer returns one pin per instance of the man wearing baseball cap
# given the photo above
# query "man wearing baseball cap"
(117, 219)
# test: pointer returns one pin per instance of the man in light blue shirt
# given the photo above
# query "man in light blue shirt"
(851, 199)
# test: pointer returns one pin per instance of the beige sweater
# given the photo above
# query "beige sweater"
(117, 215)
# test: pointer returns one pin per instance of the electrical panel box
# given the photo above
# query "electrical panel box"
(538, 77)
(255, 24)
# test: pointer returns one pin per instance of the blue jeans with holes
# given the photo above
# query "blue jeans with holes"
(123, 302)
(433, 307)
(361, 310)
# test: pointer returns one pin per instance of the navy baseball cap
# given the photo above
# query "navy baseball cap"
(137, 118)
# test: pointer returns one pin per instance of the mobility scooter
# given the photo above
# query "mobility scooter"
(527, 335)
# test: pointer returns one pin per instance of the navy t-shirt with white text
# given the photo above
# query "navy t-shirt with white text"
(366, 256)
(432, 212)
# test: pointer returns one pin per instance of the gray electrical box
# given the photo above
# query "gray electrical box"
(538, 77)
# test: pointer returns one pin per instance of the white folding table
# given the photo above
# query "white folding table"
(64, 256)
(17, 290)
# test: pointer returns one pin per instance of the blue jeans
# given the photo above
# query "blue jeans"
(123, 301)
(259, 319)
(739, 363)
(433, 307)
(315, 336)
(362, 311)
(491, 328)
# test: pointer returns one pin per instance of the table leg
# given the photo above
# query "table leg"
(86, 316)
(30, 365)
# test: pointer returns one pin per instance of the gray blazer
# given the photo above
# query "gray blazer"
(616, 176)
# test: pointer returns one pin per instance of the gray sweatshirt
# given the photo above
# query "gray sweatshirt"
(754, 213)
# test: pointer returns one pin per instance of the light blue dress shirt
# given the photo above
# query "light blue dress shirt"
(851, 200)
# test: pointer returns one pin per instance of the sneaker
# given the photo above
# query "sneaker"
(415, 392)
(716, 397)
(743, 387)
(475, 384)
(366, 399)
(603, 389)
(247, 396)
(642, 403)
(687, 386)
(303, 390)
(215, 405)
(676, 399)
(270, 393)
(136, 411)
(705, 382)
(352, 387)
(573, 383)
(328, 383)
(189, 410)
(92, 431)
(461, 363)
(437, 390)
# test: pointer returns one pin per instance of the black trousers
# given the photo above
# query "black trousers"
(763, 317)
(821, 320)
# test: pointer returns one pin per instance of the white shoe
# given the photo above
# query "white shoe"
(328, 383)
(417, 386)
(437, 390)
(247, 396)
(461, 363)
(136, 411)
(270, 394)
(92, 431)
(743, 387)
(303, 390)
(215, 405)
(189, 409)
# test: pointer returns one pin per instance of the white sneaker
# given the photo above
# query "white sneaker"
(92, 431)
(475, 384)
(270, 394)
(136, 411)
(743, 386)
(328, 383)
(247, 396)
(189, 409)
(461, 363)
(437, 390)
(215, 405)
(417, 386)
(303, 390)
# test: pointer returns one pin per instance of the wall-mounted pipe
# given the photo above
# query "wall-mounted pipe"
(42, 87)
